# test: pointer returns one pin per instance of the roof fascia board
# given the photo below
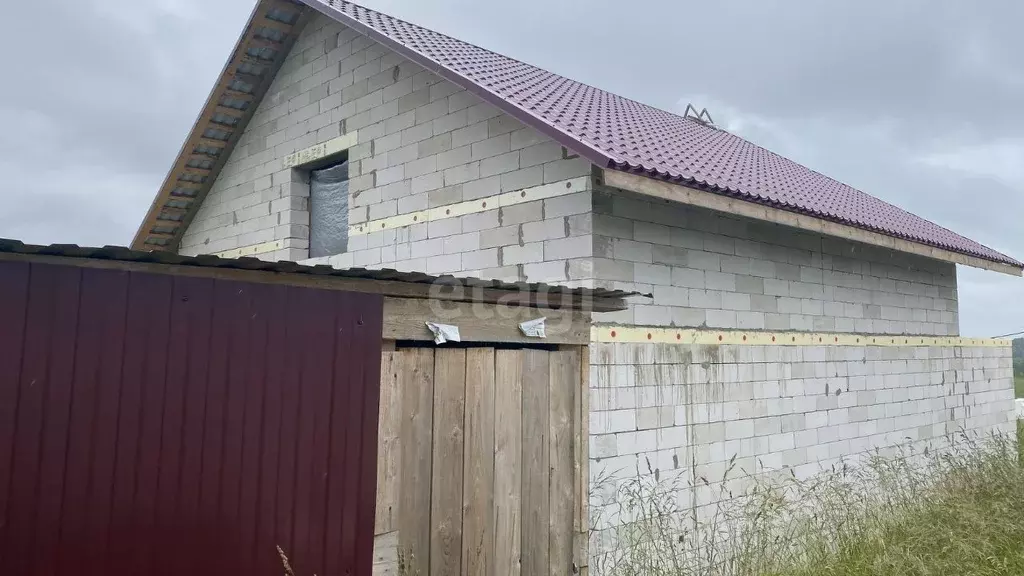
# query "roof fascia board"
(738, 207)
(589, 152)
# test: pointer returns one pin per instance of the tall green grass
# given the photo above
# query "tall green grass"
(1018, 385)
(959, 511)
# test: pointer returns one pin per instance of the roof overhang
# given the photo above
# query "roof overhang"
(265, 41)
(738, 207)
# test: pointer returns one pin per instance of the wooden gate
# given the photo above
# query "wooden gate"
(157, 424)
(481, 462)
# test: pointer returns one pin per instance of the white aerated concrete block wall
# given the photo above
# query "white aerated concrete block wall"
(683, 411)
(423, 142)
(709, 269)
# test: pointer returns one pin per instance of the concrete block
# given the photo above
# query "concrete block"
(462, 174)
(720, 281)
(521, 213)
(481, 188)
(444, 227)
(565, 248)
(540, 154)
(488, 222)
(492, 237)
(524, 178)
(491, 147)
(469, 135)
(549, 272)
(501, 164)
(702, 260)
(568, 205)
(631, 251)
(549, 229)
(734, 301)
(565, 169)
(720, 318)
(515, 254)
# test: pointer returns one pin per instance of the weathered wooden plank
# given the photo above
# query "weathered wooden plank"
(478, 495)
(508, 461)
(446, 478)
(564, 381)
(536, 412)
(385, 554)
(416, 382)
(389, 448)
(582, 452)
(405, 319)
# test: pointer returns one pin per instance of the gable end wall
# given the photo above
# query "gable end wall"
(422, 143)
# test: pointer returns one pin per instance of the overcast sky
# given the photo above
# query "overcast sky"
(918, 102)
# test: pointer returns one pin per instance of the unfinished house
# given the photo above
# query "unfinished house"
(793, 320)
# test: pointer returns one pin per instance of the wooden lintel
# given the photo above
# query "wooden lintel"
(747, 209)
(161, 234)
(406, 318)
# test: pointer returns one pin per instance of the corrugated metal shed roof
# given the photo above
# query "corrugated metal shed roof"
(620, 133)
(122, 254)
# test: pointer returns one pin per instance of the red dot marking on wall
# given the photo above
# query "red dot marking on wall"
(837, 338)
(858, 340)
(794, 338)
(485, 204)
(744, 337)
(415, 218)
(447, 211)
(382, 224)
(613, 333)
(819, 338)
(522, 194)
(648, 335)
(773, 338)
(719, 337)
(679, 336)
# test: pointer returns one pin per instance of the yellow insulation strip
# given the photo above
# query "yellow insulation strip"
(473, 206)
(252, 250)
(637, 334)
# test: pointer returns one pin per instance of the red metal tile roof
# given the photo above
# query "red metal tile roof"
(620, 133)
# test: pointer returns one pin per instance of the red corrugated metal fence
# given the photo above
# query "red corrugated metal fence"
(159, 424)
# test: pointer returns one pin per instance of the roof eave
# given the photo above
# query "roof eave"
(647, 186)
(203, 121)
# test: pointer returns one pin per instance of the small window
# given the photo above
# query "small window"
(328, 210)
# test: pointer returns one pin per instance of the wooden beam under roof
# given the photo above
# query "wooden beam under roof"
(172, 211)
(229, 111)
(264, 22)
(209, 142)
